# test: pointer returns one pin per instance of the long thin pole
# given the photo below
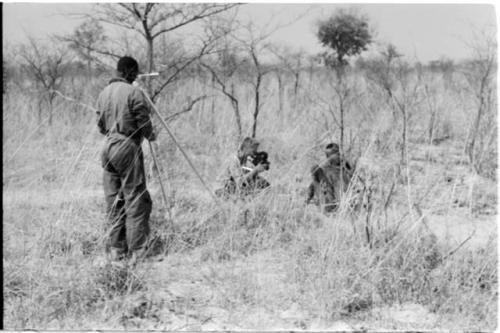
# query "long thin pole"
(155, 161)
(153, 106)
(164, 123)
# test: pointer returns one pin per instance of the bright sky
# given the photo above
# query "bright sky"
(421, 31)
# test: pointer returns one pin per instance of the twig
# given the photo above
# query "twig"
(188, 108)
(421, 215)
(460, 245)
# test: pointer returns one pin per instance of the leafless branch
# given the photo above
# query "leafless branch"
(208, 10)
(186, 109)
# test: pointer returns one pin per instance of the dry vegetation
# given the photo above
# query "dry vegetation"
(268, 263)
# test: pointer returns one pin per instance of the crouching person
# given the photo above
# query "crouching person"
(327, 185)
(124, 117)
(242, 175)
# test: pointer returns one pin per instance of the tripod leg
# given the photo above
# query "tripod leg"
(155, 161)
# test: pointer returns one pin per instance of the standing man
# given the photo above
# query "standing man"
(124, 117)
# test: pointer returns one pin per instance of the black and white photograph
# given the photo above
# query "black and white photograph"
(198, 166)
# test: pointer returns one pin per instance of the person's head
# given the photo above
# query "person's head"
(248, 147)
(331, 149)
(127, 68)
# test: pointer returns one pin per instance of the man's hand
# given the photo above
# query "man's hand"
(259, 168)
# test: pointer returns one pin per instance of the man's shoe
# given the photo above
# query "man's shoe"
(137, 255)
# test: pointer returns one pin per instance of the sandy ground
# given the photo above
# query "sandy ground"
(204, 302)
(188, 296)
(457, 229)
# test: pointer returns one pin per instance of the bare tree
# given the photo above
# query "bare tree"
(313, 62)
(224, 64)
(220, 80)
(87, 40)
(480, 74)
(151, 21)
(437, 129)
(253, 44)
(8, 68)
(255, 49)
(382, 71)
(394, 76)
(291, 62)
(46, 67)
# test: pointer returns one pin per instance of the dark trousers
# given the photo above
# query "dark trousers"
(128, 203)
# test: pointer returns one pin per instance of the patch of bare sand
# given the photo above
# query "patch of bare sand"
(246, 293)
(407, 316)
(193, 295)
(251, 292)
(453, 230)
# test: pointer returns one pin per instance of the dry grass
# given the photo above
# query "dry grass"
(271, 262)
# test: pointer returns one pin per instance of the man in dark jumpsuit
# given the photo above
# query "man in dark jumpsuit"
(326, 184)
(124, 117)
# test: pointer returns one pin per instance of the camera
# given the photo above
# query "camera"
(260, 157)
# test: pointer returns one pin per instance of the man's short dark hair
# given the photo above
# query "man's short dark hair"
(332, 146)
(126, 64)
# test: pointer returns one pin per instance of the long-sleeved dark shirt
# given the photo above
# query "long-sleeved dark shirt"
(326, 180)
(123, 108)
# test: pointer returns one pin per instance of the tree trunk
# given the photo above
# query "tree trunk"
(280, 95)
(40, 108)
(341, 146)
(212, 111)
(340, 81)
(89, 65)
(432, 124)
(236, 109)
(311, 75)
(296, 90)
(89, 69)
(257, 106)
(472, 141)
(432, 119)
(404, 135)
(50, 111)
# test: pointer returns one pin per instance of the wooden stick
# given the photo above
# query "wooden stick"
(460, 245)
(164, 123)
(155, 162)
